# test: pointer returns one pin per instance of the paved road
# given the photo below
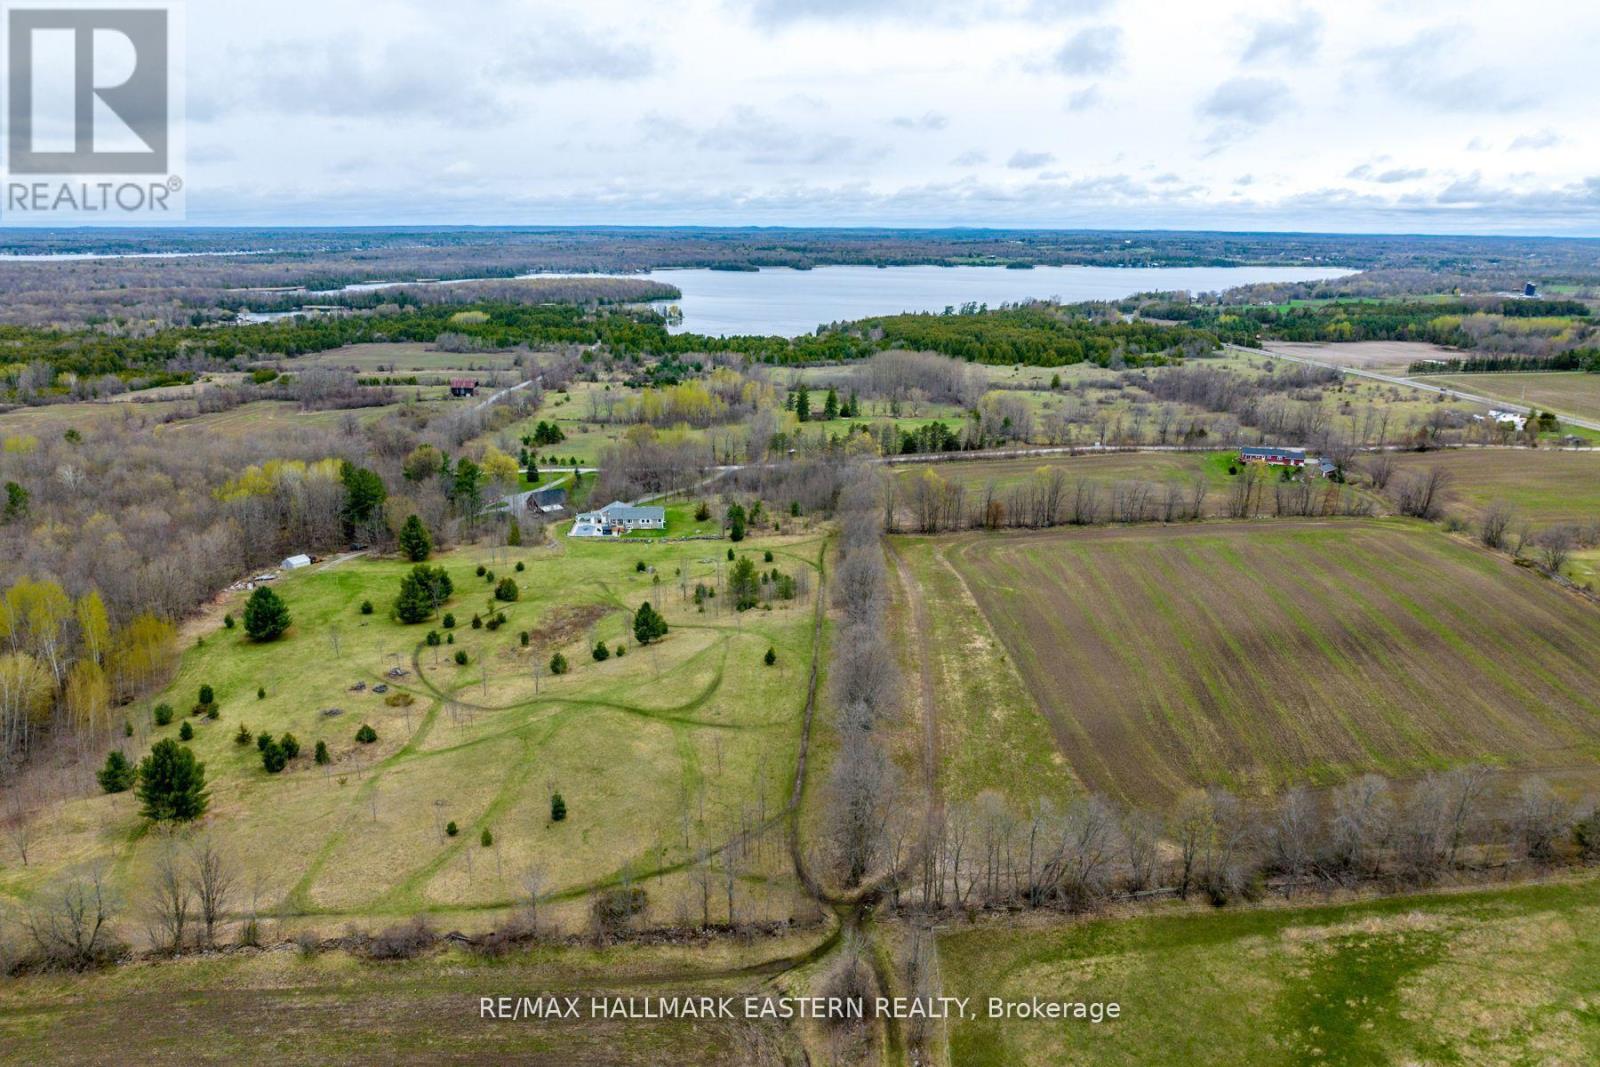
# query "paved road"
(1412, 383)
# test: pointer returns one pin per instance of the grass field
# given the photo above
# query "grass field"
(1253, 654)
(402, 358)
(1563, 392)
(1104, 468)
(671, 748)
(1509, 976)
(278, 1006)
(1543, 486)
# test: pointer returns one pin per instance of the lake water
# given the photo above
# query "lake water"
(792, 302)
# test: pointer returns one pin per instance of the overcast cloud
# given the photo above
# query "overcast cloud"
(1363, 115)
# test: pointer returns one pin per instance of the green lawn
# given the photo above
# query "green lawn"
(1508, 976)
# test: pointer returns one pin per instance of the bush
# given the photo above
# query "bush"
(639, 567)
(207, 696)
(433, 638)
(366, 607)
(172, 783)
(261, 692)
(486, 838)
(730, 555)
(449, 621)
(523, 637)
(227, 622)
(614, 907)
(263, 739)
(489, 577)
(401, 942)
(520, 567)
(186, 731)
(703, 512)
(477, 622)
(482, 570)
(366, 735)
(601, 652)
(507, 590)
(767, 555)
(558, 664)
(451, 829)
(620, 650)
(321, 753)
(461, 657)
(290, 746)
(213, 712)
(399, 700)
(266, 616)
(243, 736)
(118, 774)
(771, 657)
(163, 714)
(558, 808)
(273, 757)
(421, 590)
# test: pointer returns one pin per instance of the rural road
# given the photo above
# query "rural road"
(1412, 383)
(502, 394)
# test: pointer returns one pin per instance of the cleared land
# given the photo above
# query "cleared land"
(1543, 486)
(1563, 392)
(1385, 357)
(1472, 978)
(673, 748)
(1255, 654)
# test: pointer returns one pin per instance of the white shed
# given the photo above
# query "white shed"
(294, 562)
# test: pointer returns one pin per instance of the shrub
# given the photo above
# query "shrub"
(186, 731)
(451, 829)
(433, 638)
(263, 739)
(703, 512)
(558, 808)
(366, 607)
(486, 838)
(401, 942)
(172, 783)
(449, 639)
(620, 650)
(520, 567)
(614, 907)
(163, 714)
(261, 692)
(523, 637)
(558, 664)
(639, 567)
(601, 652)
(117, 775)
(266, 616)
(461, 657)
(771, 657)
(507, 590)
(273, 757)
(489, 577)
(243, 736)
(207, 695)
(477, 622)
(213, 712)
(482, 570)
(321, 755)
(421, 590)
(449, 621)
(366, 735)
(730, 555)
(767, 555)
(227, 622)
(290, 746)
(399, 700)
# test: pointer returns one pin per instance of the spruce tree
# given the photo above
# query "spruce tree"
(415, 542)
(266, 616)
(172, 783)
(117, 775)
(648, 625)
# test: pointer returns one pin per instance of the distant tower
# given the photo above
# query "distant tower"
(1530, 289)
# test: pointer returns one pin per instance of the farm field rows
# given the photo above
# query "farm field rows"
(1544, 486)
(673, 748)
(1385, 357)
(1252, 655)
(1507, 976)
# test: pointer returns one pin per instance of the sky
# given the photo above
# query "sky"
(1365, 115)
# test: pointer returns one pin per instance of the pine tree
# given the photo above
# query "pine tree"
(266, 616)
(415, 541)
(558, 808)
(172, 783)
(117, 775)
(648, 625)
(830, 406)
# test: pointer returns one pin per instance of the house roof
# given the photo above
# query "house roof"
(463, 383)
(617, 511)
(1296, 453)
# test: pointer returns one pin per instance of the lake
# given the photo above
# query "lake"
(791, 302)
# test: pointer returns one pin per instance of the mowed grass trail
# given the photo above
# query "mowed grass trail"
(1253, 655)
(1510, 976)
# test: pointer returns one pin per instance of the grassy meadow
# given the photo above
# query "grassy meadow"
(1495, 977)
(660, 753)
(1563, 392)
(1543, 486)
(1251, 655)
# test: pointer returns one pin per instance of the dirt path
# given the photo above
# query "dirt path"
(927, 685)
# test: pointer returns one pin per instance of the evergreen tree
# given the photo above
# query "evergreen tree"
(743, 584)
(736, 522)
(830, 406)
(648, 625)
(273, 757)
(558, 664)
(322, 753)
(266, 616)
(558, 808)
(415, 541)
(802, 403)
(364, 494)
(16, 507)
(172, 783)
(117, 775)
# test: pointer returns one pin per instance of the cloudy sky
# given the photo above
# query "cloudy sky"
(1388, 115)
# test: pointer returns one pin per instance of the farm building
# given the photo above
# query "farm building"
(548, 500)
(463, 387)
(1278, 457)
(617, 518)
(295, 562)
(1512, 418)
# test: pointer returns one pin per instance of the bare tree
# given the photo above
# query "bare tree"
(71, 921)
(1541, 817)
(1496, 524)
(168, 900)
(1293, 835)
(212, 878)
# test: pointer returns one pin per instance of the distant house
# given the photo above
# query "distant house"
(617, 518)
(295, 562)
(548, 500)
(1277, 457)
(1512, 418)
(1530, 289)
(463, 387)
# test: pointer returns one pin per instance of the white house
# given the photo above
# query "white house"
(1512, 417)
(617, 518)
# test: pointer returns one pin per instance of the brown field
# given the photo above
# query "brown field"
(1253, 655)
(1385, 357)
(403, 357)
(1564, 392)
(1543, 486)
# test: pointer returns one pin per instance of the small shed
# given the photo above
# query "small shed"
(463, 387)
(295, 562)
